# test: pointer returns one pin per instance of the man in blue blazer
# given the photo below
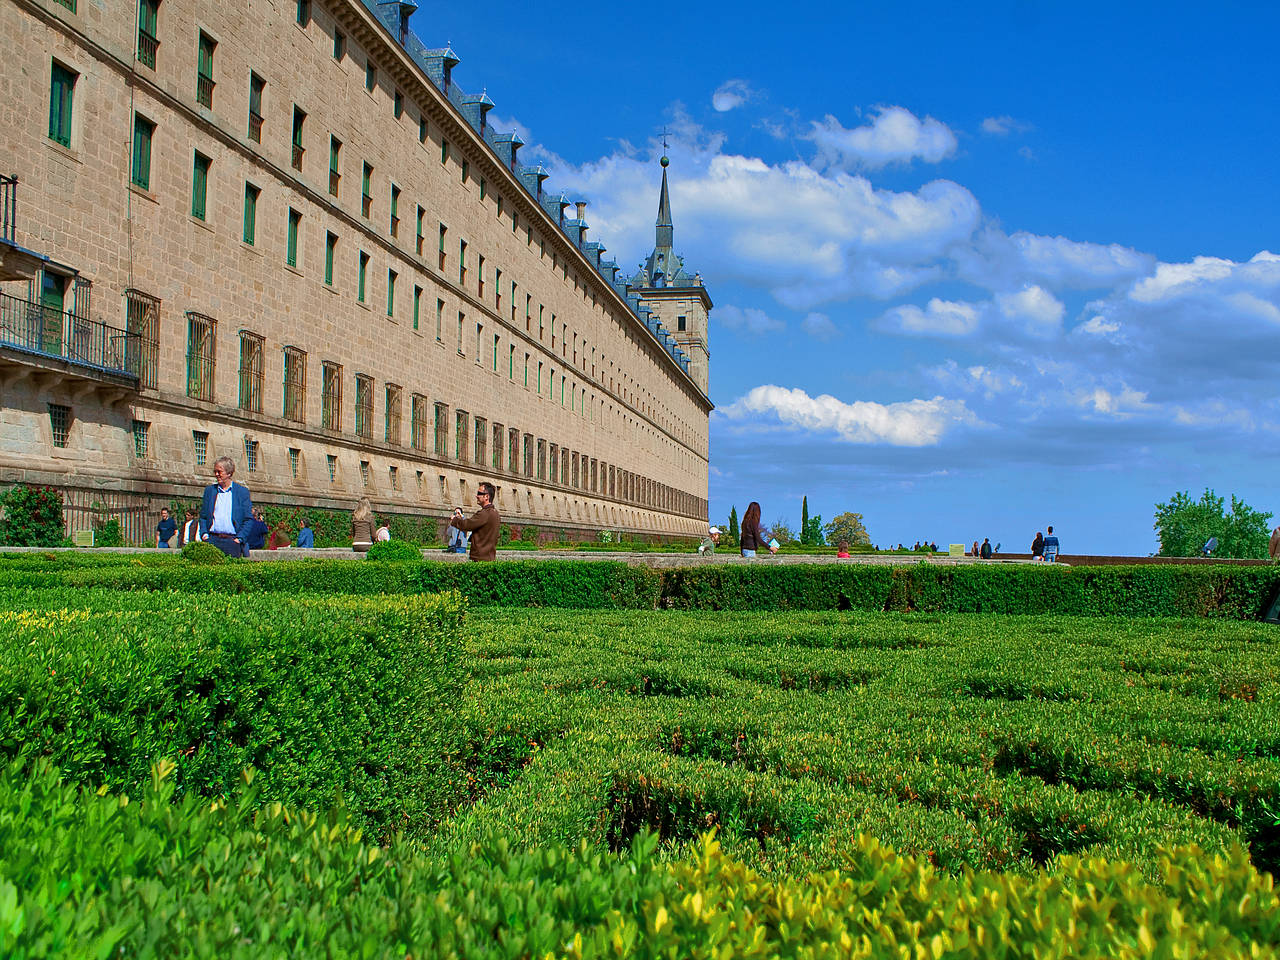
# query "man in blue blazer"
(226, 511)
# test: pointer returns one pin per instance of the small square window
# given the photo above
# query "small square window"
(60, 423)
(140, 430)
(251, 455)
(200, 440)
(370, 76)
(364, 472)
(339, 45)
(332, 462)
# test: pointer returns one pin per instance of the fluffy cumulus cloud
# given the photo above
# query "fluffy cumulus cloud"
(938, 317)
(730, 95)
(1032, 309)
(894, 135)
(910, 423)
(751, 320)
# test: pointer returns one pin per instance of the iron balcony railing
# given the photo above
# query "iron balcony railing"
(8, 209)
(51, 333)
(147, 47)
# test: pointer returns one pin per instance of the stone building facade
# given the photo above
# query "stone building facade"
(279, 231)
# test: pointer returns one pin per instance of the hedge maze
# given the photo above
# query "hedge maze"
(583, 759)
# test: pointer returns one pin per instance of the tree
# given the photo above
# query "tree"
(781, 532)
(1184, 525)
(847, 527)
(804, 520)
(812, 532)
(734, 532)
(31, 517)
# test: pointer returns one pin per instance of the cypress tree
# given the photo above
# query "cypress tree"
(733, 525)
(804, 520)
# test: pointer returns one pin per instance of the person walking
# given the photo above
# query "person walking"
(975, 548)
(226, 511)
(754, 536)
(1050, 546)
(165, 529)
(483, 525)
(363, 525)
(985, 552)
(1037, 547)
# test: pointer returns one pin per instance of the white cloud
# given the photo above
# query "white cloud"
(938, 318)
(894, 135)
(1175, 279)
(910, 423)
(819, 326)
(1003, 126)
(752, 320)
(1032, 309)
(976, 378)
(730, 94)
(996, 260)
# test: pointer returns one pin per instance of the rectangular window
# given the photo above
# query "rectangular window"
(393, 474)
(331, 396)
(417, 305)
(364, 472)
(140, 430)
(513, 450)
(200, 444)
(441, 429)
(526, 369)
(295, 385)
(443, 230)
(303, 12)
(466, 170)
(680, 323)
(462, 263)
(444, 150)
(440, 320)
(395, 210)
(511, 362)
(418, 429)
(422, 129)
(142, 324)
(391, 432)
(398, 105)
(495, 353)
(299, 118)
(291, 244)
(201, 332)
(250, 398)
(417, 246)
(250, 455)
(250, 212)
(331, 462)
(462, 318)
(143, 130)
(364, 406)
(480, 276)
(339, 45)
(204, 71)
(483, 189)
(366, 196)
(479, 340)
(391, 293)
(481, 445)
(62, 87)
(498, 433)
(528, 454)
(295, 461)
(370, 76)
(497, 289)
(256, 87)
(148, 32)
(335, 155)
(330, 251)
(460, 435)
(364, 270)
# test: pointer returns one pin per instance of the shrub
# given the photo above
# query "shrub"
(395, 551)
(31, 517)
(202, 553)
(323, 695)
(107, 533)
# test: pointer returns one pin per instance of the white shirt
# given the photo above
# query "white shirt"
(222, 513)
(189, 530)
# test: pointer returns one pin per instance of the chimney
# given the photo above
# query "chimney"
(582, 209)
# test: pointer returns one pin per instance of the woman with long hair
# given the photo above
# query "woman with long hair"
(754, 536)
(362, 526)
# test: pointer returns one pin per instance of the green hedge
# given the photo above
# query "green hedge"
(162, 876)
(325, 695)
(1233, 592)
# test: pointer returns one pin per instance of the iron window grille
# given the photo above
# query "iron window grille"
(364, 406)
(251, 372)
(295, 384)
(419, 429)
(142, 345)
(391, 433)
(331, 397)
(201, 335)
(60, 423)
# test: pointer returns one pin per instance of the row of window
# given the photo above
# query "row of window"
(526, 455)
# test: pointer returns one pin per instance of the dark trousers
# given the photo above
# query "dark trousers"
(228, 545)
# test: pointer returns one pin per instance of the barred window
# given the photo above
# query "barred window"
(251, 455)
(393, 474)
(331, 397)
(140, 430)
(498, 433)
(60, 423)
(513, 450)
(200, 442)
(364, 472)
(364, 406)
(482, 441)
(142, 347)
(392, 431)
(295, 458)
(442, 429)
(419, 429)
(460, 436)
(331, 461)
(295, 384)
(201, 333)
(528, 454)
(250, 372)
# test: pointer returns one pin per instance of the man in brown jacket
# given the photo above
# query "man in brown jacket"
(483, 525)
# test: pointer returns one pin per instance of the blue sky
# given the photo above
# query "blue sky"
(976, 271)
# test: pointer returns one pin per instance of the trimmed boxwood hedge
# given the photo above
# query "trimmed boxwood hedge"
(1233, 592)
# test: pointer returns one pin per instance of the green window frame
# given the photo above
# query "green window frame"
(204, 71)
(200, 185)
(417, 305)
(299, 119)
(335, 154)
(370, 76)
(364, 270)
(62, 87)
(330, 250)
(398, 104)
(366, 183)
(148, 32)
(291, 253)
(256, 87)
(251, 194)
(143, 130)
(339, 45)
(395, 210)
(391, 293)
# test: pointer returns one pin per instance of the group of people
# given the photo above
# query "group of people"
(1045, 547)
(228, 520)
(752, 539)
